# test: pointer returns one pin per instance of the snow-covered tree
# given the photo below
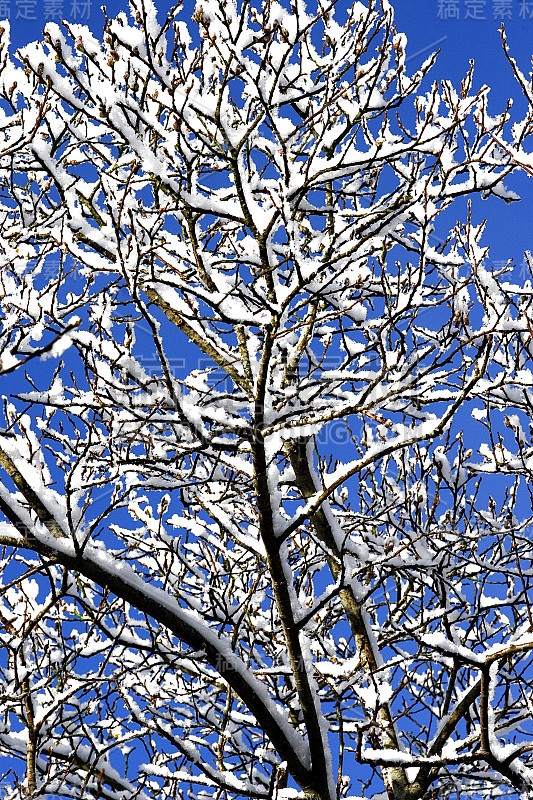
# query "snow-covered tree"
(279, 568)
